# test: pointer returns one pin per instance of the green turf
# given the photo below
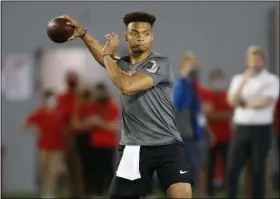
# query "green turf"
(157, 193)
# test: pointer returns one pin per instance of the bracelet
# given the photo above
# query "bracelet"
(82, 36)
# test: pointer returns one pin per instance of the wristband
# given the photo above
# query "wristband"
(82, 36)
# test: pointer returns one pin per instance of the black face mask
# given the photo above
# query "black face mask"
(86, 94)
(193, 73)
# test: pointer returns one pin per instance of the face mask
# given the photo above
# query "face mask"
(192, 73)
(72, 83)
(86, 94)
(218, 85)
(51, 102)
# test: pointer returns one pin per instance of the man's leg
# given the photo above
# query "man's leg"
(260, 145)
(133, 189)
(202, 160)
(210, 171)
(43, 155)
(238, 153)
(173, 170)
(55, 158)
(248, 179)
(180, 190)
(224, 154)
(74, 168)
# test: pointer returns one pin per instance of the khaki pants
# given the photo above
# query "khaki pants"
(49, 162)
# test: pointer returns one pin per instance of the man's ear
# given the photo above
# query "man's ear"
(125, 36)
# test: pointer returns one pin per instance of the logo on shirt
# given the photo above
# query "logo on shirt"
(151, 67)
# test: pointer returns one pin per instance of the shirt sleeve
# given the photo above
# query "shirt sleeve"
(233, 84)
(178, 96)
(159, 70)
(122, 64)
(272, 89)
(34, 117)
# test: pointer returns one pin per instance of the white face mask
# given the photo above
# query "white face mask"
(51, 102)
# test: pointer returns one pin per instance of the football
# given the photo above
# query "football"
(59, 31)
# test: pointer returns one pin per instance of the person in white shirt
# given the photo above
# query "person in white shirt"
(253, 94)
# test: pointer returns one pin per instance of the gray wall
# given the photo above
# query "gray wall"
(219, 32)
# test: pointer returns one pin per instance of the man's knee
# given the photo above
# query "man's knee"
(180, 190)
(122, 197)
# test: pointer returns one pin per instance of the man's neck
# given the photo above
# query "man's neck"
(134, 58)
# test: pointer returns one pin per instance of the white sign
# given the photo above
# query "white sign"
(17, 77)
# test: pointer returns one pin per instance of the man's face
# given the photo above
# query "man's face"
(217, 81)
(255, 61)
(188, 65)
(50, 100)
(139, 36)
(101, 94)
(72, 80)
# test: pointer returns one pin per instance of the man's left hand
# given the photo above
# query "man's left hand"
(111, 44)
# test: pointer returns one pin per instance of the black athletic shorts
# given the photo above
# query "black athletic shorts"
(170, 163)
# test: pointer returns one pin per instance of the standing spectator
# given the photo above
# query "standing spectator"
(253, 94)
(104, 138)
(277, 131)
(46, 120)
(83, 110)
(218, 113)
(189, 117)
(66, 105)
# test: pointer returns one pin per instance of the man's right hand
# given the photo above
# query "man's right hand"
(78, 28)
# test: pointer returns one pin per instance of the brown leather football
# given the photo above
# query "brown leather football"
(59, 31)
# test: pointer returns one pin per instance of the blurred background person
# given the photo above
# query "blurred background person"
(82, 111)
(47, 122)
(104, 138)
(218, 114)
(253, 94)
(189, 117)
(66, 105)
(277, 131)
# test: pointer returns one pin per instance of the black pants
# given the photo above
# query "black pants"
(248, 141)
(85, 154)
(218, 149)
(103, 169)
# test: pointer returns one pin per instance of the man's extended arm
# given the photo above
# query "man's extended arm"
(128, 84)
(94, 47)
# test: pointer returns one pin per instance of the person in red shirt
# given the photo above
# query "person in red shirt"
(104, 138)
(218, 113)
(47, 121)
(66, 105)
(83, 110)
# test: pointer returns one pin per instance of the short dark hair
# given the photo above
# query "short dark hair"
(139, 17)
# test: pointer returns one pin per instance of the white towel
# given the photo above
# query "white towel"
(129, 164)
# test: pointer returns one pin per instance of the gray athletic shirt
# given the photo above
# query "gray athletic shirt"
(148, 116)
